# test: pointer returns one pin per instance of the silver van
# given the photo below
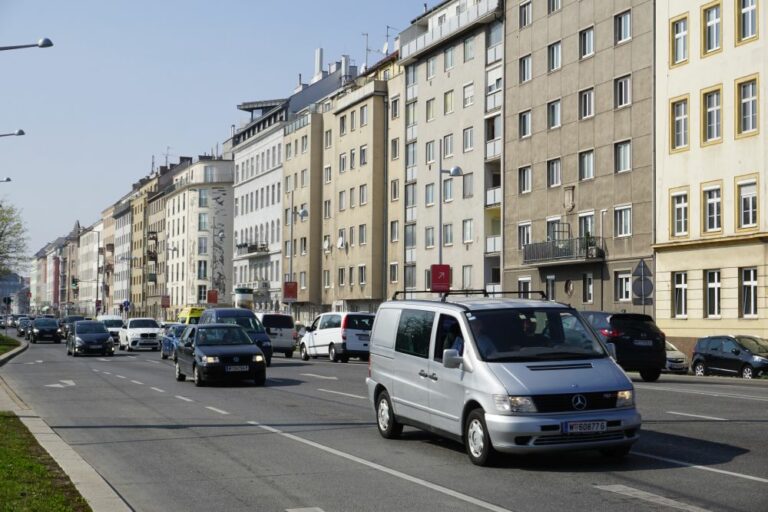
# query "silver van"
(281, 331)
(499, 375)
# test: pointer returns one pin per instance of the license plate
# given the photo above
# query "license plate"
(363, 337)
(583, 427)
(644, 343)
(238, 368)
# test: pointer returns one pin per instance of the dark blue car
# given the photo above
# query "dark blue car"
(246, 319)
(171, 337)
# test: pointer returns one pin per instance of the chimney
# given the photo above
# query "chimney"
(318, 65)
(344, 68)
(425, 7)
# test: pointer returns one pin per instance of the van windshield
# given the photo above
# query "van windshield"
(247, 323)
(113, 323)
(532, 334)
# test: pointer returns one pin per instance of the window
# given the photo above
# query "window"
(747, 106)
(448, 102)
(553, 114)
(202, 198)
(586, 103)
(340, 276)
(363, 155)
(712, 210)
(414, 330)
(448, 190)
(468, 137)
(680, 214)
(526, 14)
(361, 275)
(394, 231)
(351, 158)
(327, 209)
(394, 190)
(712, 116)
(469, 95)
(351, 271)
(364, 115)
(711, 31)
(304, 143)
(467, 185)
(448, 234)
(746, 23)
(429, 237)
(304, 181)
(448, 58)
(553, 56)
(587, 288)
(342, 125)
(622, 155)
(410, 195)
(202, 222)
(410, 236)
(342, 163)
(202, 245)
(622, 91)
(679, 41)
(327, 174)
(429, 194)
(469, 49)
(410, 113)
(447, 146)
(622, 218)
(748, 292)
(394, 107)
(327, 137)
(342, 200)
(680, 295)
(553, 5)
(524, 179)
(712, 306)
(430, 109)
(586, 225)
(622, 27)
(586, 165)
(550, 287)
(410, 154)
(362, 234)
(525, 69)
(524, 124)
(363, 194)
(747, 204)
(410, 276)
(327, 279)
(679, 124)
(466, 277)
(393, 272)
(466, 231)
(202, 294)
(524, 287)
(202, 269)
(587, 43)
(431, 67)
(553, 172)
(394, 149)
(623, 290)
(352, 118)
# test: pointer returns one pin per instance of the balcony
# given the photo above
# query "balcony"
(254, 248)
(410, 214)
(574, 250)
(151, 255)
(493, 196)
(493, 149)
(494, 54)
(494, 100)
(110, 248)
(152, 235)
(411, 132)
(493, 288)
(152, 278)
(411, 92)
(493, 244)
(410, 174)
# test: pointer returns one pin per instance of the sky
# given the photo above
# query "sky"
(128, 79)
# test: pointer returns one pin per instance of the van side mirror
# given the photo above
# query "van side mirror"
(451, 358)
(611, 349)
(736, 351)
(188, 344)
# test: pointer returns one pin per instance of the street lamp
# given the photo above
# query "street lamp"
(17, 133)
(453, 172)
(42, 43)
(5, 180)
(301, 214)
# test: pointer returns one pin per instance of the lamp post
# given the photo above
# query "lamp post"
(42, 43)
(301, 214)
(452, 172)
(17, 133)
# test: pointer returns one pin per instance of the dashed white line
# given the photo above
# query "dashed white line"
(319, 376)
(215, 410)
(647, 496)
(404, 476)
(704, 468)
(107, 373)
(153, 361)
(305, 509)
(94, 369)
(104, 359)
(158, 390)
(696, 416)
(705, 393)
(184, 398)
(137, 382)
(119, 376)
(340, 393)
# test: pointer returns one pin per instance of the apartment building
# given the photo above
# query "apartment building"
(108, 243)
(395, 174)
(121, 294)
(90, 261)
(579, 142)
(710, 159)
(452, 143)
(141, 257)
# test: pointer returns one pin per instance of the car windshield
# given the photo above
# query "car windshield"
(247, 323)
(90, 328)
(360, 322)
(222, 336)
(754, 344)
(176, 330)
(71, 319)
(143, 324)
(45, 323)
(277, 321)
(113, 323)
(670, 347)
(532, 334)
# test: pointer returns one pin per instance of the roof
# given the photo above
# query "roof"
(250, 106)
(431, 10)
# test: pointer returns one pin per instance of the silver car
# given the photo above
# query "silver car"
(514, 376)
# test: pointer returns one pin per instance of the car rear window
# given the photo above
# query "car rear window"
(643, 322)
(597, 320)
(277, 321)
(360, 322)
(701, 345)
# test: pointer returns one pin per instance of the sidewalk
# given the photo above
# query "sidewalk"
(96, 491)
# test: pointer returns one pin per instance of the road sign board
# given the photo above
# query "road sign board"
(165, 301)
(642, 287)
(642, 270)
(213, 296)
(290, 291)
(441, 278)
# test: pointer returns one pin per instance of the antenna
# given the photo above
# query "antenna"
(167, 154)
(386, 44)
(367, 50)
(153, 163)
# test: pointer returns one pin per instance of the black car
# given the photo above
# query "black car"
(246, 319)
(640, 344)
(746, 356)
(219, 352)
(65, 325)
(89, 337)
(44, 329)
(21, 325)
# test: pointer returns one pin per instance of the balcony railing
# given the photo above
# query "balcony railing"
(493, 244)
(151, 278)
(493, 149)
(411, 132)
(254, 248)
(410, 174)
(493, 288)
(571, 249)
(494, 54)
(493, 196)
(494, 100)
(152, 255)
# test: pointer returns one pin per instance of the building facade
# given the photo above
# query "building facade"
(90, 261)
(121, 295)
(108, 271)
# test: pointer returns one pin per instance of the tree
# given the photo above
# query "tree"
(13, 240)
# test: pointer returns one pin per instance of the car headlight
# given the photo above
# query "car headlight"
(35, 330)
(258, 358)
(514, 404)
(79, 341)
(625, 398)
(209, 359)
(760, 359)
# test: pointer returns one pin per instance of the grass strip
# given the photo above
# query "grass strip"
(7, 344)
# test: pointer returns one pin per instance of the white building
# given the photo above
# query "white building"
(122, 277)
(90, 258)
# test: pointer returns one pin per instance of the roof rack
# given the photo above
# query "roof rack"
(466, 293)
(542, 295)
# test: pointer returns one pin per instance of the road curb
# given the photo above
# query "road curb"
(13, 353)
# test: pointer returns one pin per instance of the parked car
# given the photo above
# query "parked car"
(746, 356)
(171, 336)
(219, 352)
(677, 362)
(45, 329)
(640, 344)
(281, 331)
(21, 325)
(66, 324)
(138, 333)
(10, 320)
(113, 323)
(338, 336)
(246, 319)
(89, 337)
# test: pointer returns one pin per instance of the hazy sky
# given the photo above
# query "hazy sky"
(128, 78)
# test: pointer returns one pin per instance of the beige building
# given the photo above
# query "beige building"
(395, 174)
(142, 259)
(108, 269)
(710, 160)
(579, 117)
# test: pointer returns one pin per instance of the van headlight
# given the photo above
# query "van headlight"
(210, 359)
(625, 398)
(514, 404)
(258, 358)
(79, 342)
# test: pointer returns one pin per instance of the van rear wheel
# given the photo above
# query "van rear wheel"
(477, 441)
(332, 355)
(650, 375)
(388, 426)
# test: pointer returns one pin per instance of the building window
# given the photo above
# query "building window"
(622, 24)
(393, 272)
(410, 236)
(202, 269)
(748, 292)
(712, 306)
(394, 231)
(429, 194)
(712, 116)
(553, 173)
(679, 41)
(469, 49)
(524, 179)
(327, 209)
(523, 235)
(587, 43)
(586, 103)
(429, 107)
(622, 155)
(328, 138)
(429, 151)
(363, 155)
(429, 237)
(202, 294)
(679, 124)
(586, 225)
(410, 154)
(680, 296)
(431, 67)
(468, 137)
(622, 218)
(712, 210)
(525, 69)
(448, 58)
(364, 115)
(747, 106)
(554, 56)
(202, 245)
(587, 288)
(202, 221)
(711, 31)
(394, 149)
(524, 124)
(553, 5)
(410, 276)
(327, 174)
(448, 234)
(550, 287)
(362, 234)
(553, 114)
(327, 279)
(340, 276)
(623, 289)
(448, 190)
(467, 185)
(448, 146)
(622, 91)
(303, 280)
(680, 214)
(586, 165)
(394, 190)
(342, 200)
(363, 194)
(351, 274)
(202, 198)
(466, 231)
(747, 204)
(342, 163)
(746, 20)
(526, 14)
(524, 287)
(469, 95)
(342, 125)
(466, 277)
(448, 102)
(410, 113)
(351, 158)
(362, 276)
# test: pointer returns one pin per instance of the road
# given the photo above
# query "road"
(308, 439)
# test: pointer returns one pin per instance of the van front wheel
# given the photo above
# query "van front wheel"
(304, 353)
(389, 427)
(476, 439)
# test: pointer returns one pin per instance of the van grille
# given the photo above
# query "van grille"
(548, 367)
(564, 403)
(578, 438)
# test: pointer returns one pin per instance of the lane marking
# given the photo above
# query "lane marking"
(94, 369)
(215, 410)
(158, 390)
(384, 469)
(119, 376)
(319, 376)
(184, 398)
(137, 382)
(340, 393)
(38, 360)
(696, 416)
(305, 509)
(705, 393)
(104, 359)
(704, 468)
(153, 361)
(107, 373)
(647, 496)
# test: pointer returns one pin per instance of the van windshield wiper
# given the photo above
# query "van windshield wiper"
(566, 355)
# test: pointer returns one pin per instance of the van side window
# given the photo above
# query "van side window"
(414, 332)
(315, 324)
(334, 322)
(448, 336)
(324, 321)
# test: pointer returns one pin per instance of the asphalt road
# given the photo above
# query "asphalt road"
(308, 439)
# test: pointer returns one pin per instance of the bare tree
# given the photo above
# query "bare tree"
(13, 239)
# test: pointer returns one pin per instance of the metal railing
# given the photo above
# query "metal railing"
(254, 248)
(584, 248)
(493, 244)
(493, 196)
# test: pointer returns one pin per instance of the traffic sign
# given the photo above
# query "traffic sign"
(290, 291)
(642, 270)
(441, 278)
(642, 287)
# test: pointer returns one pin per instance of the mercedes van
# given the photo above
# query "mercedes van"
(190, 315)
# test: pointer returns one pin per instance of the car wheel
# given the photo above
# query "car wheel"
(260, 379)
(387, 423)
(68, 352)
(616, 452)
(344, 359)
(179, 376)
(128, 348)
(196, 377)
(111, 353)
(289, 354)
(476, 439)
(304, 353)
(747, 372)
(268, 361)
(332, 355)
(699, 369)
(650, 375)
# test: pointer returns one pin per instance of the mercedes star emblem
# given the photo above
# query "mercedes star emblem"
(579, 402)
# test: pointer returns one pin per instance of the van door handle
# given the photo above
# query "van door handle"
(422, 373)
(433, 377)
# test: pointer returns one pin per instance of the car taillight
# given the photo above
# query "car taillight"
(344, 328)
(611, 333)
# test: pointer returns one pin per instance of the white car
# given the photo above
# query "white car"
(338, 336)
(676, 360)
(140, 333)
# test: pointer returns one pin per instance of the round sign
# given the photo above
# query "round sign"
(642, 287)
